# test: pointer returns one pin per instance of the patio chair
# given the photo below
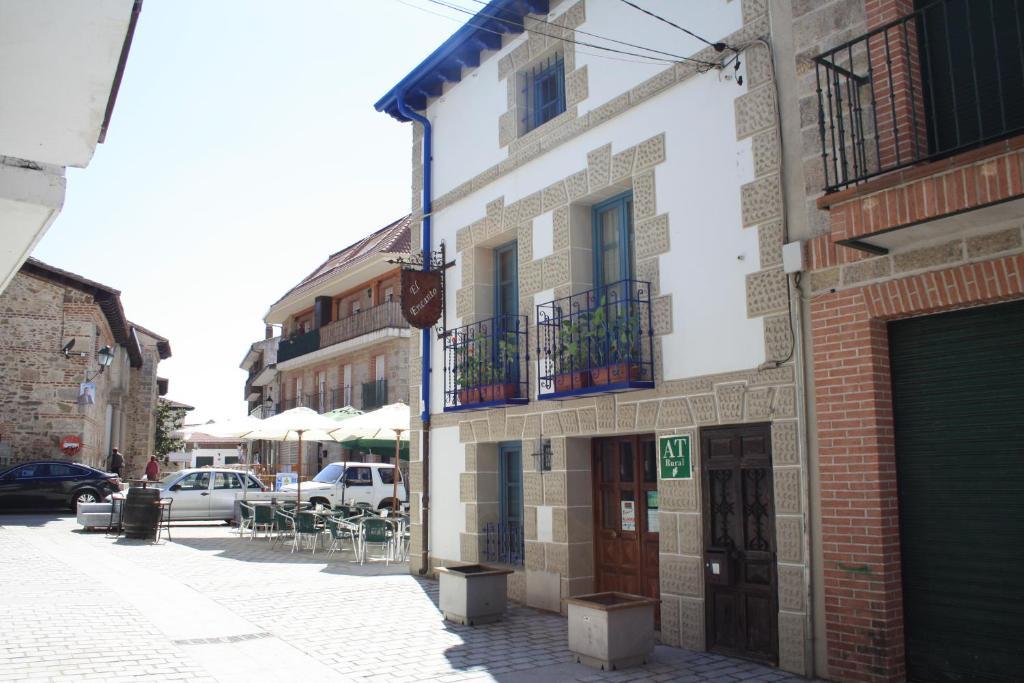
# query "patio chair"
(306, 530)
(262, 518)
(377, 532)
(245, 521)
(284, 525)
(339, 531)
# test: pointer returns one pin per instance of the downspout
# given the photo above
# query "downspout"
(425, 334)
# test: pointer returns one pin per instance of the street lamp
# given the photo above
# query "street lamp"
(105, 357)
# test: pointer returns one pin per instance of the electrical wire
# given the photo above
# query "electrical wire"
(647, 59)
(567, 40)
(718, 46)
(595, 35)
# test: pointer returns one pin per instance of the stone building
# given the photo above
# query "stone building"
(903, 124)
(343, 340)
(616, 402)
(46, 310)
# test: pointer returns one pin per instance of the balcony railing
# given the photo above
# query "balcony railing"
(371, 320)
(375, 394)
(504, 542)
(600, 340)
(380, 317)
(341, 397)
(944, 79)
(299, 345)
(486, 364)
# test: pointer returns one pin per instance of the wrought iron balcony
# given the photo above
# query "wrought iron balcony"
(486, 364)
(944, 79)
(341, 397)
(375, 394)
(299, 345)
(384, 316)
(600, 340)
(504, 542)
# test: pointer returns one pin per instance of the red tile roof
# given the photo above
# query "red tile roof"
(391, 239)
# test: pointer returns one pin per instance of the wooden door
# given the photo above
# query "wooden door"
(625, 470)
(739, 542)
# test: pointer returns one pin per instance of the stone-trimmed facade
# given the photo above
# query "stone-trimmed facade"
(563, 565)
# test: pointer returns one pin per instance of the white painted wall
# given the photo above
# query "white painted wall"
(447, 514)
(465, 117)
(57, 65)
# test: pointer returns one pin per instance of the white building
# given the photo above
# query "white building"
(60, 69)
(617, 230)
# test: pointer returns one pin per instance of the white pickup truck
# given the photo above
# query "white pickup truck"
(352, 482)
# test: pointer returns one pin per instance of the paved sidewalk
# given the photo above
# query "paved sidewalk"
(209, 606)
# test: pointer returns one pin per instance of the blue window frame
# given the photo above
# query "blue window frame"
(613, 240)
(510, 481)
(544, 92)
(506, 280)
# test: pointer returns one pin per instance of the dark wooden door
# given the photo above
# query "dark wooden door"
(739, 542)
(626, 515)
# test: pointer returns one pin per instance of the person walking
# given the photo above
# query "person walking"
(152, 469)
(115, 463)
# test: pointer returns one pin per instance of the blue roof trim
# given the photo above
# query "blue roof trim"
(445, 64)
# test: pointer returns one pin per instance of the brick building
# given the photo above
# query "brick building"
(262, 386)
(343, 339)
(903, 122)
(45, 309)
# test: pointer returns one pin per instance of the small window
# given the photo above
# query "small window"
(226, 480)
(542, 92)
(389, 294)
(254, 483)
(613, 240)
(197, 481)
(31, 471)
(358, 476)
(58, 470)
(387, 475)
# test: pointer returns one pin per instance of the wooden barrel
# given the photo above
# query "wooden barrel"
(141, 513)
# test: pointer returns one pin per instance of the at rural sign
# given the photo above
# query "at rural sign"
(674, 457)
(422, 297)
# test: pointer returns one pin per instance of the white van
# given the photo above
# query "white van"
(352, 482)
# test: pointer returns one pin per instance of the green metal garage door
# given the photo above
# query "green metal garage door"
(958, 390)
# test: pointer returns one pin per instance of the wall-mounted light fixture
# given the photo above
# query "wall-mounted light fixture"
(542, 455)
(104, 357)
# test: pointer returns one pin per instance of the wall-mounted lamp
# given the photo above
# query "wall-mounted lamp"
(542, 455)
(104, 357)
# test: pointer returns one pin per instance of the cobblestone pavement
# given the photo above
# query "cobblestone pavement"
(210, 606)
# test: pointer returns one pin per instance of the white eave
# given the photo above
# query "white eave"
(265, 376)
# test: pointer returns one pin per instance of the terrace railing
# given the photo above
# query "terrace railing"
(299, 345)
(941, 80)
(600, 340)
(486, 364)
(375, 394)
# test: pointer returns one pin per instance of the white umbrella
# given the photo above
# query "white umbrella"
(297, 424)
(389, 422)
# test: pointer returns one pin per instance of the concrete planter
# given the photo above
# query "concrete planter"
(473, 594)
(611, 630)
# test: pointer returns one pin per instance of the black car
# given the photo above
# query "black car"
(54, 484)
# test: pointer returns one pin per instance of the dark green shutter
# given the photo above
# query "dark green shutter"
(958, 393)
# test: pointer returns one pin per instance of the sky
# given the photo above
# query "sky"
(242, 151)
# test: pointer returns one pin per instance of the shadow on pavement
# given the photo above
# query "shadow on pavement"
(32, 518)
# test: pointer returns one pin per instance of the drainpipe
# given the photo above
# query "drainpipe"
(425, 349)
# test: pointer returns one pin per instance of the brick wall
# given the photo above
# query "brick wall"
(140, 419)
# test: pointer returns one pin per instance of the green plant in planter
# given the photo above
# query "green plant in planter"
(472, 368)
(614, 342)
(572, 345)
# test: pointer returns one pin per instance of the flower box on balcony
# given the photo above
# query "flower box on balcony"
(596, 341)
(484, 364)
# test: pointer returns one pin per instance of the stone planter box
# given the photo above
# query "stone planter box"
(94, 515)
(473, 594)
(611, 630)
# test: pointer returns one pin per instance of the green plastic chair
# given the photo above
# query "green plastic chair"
(262, 518)
(246, 513)
(339, 531)
(305, 528)
(284, 525)
(374, 531)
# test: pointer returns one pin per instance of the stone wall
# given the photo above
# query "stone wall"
(140, 423)
(39, 404)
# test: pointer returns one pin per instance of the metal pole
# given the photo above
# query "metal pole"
(394, 479)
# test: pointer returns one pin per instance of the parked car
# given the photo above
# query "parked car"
(54, 484)
(352, 482)
(206, 493)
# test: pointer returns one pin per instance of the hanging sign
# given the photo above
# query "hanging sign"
(674, 454)
(422, 297)
(628, 515)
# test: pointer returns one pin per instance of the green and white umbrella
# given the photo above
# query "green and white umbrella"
(386, 427)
